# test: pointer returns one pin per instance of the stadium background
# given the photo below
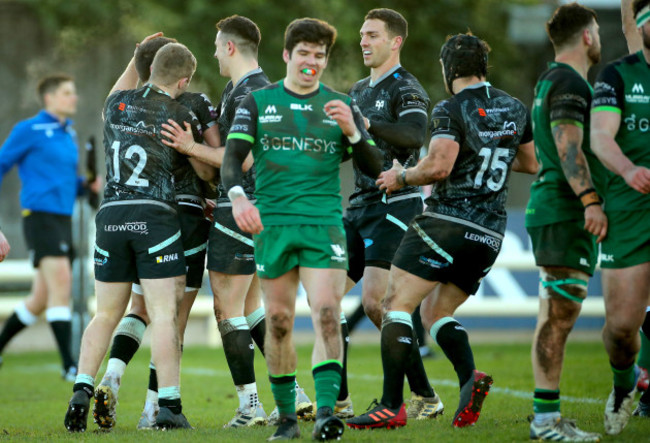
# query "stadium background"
(93, 41)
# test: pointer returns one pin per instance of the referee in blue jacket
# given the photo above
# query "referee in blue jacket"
(45, 149)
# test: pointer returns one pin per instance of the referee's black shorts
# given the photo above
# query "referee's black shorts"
(47, 235)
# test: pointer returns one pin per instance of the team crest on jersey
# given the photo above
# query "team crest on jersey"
(441, 124)
(379, 104)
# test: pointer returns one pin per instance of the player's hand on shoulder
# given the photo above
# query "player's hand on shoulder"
(638, 178)
(342, 114)
(389, 180)
(247, 216)
(596, 222)
(177, 138)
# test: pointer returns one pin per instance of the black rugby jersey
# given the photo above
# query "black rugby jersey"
(231, 97)
(393, 95)
(489, 125)
(138, 164)
(186, 180)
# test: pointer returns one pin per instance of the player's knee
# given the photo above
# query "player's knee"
(329, 319)
(565, 288)
(279, 322)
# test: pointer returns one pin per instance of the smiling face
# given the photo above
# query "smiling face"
(221, 54)
(305, 65)
(376, 43)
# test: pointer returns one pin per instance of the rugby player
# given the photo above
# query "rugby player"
(394, 106)
(478, 136)
(299, 131)
(564, 217)
(189, 190)
(138, 232)
(620, 137)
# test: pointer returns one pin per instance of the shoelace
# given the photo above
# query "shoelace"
(373, 404)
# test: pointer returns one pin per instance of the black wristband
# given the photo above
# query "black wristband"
(586, 191)
(591, 204)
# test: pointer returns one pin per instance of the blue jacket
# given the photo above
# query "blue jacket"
(47, 157)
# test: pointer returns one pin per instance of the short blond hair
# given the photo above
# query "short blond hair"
(172, 63)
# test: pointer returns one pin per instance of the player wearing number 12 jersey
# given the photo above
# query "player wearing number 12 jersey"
(477, 137)
(138, 233)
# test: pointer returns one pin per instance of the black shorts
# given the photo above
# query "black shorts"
(448, 250)
(230, 250)
(137, 239)
(194, 237)
(373, 232)
(47, 235)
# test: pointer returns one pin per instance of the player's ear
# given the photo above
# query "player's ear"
(230, 47)
(286, 56)
(397, 42)
(587, 38)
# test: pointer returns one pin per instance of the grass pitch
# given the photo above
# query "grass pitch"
(33, 398)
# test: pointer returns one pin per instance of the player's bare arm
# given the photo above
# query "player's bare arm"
(632, 36)
(568, 141)
(183, 142)
(365, 154)
(604, 126)
(4, 247)
(434, 167)
(525, 159)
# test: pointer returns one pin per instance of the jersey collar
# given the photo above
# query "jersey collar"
(156, 89)
(257, 70)
(386, 75)
(52, 118)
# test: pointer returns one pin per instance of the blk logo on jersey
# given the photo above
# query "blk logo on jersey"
(167, 258)
(379, 104)
(300, 107)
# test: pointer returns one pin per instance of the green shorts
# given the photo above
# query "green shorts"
(565, 244)
(278, 249)
(628, 239)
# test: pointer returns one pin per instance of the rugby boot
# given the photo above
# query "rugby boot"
(472, 395)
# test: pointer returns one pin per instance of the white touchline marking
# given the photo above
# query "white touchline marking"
(208, 372)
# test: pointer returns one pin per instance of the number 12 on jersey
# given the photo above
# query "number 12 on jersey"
(498, 168)
(134, 179)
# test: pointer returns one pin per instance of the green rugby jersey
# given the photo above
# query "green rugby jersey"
(562, 96)
(297, 150)
(623, 86)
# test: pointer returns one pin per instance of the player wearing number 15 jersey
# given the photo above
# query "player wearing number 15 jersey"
(477, 137)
